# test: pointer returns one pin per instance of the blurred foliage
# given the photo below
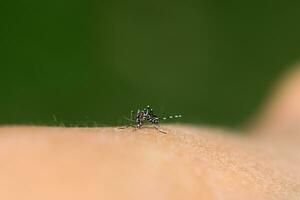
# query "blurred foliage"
(88, 62)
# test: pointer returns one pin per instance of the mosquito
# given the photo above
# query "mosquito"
(147, 115)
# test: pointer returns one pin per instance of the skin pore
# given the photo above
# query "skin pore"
(190, 162)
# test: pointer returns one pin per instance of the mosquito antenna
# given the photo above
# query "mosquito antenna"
(54, 118)
(126, 118)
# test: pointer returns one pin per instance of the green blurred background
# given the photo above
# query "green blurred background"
(88, 62)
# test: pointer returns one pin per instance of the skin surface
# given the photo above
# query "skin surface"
(189, 162)
(109, 163)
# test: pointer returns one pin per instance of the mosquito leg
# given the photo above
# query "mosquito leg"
(160, 130)
(127, 126)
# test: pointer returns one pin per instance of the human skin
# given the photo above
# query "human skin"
(189, 162)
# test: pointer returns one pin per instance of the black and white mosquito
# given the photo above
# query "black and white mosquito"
(147, 115)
